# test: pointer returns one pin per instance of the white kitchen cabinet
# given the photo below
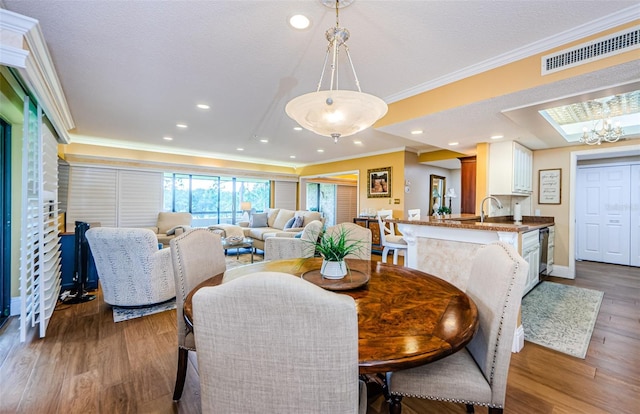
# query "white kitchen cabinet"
(531, 253)
(510, 169)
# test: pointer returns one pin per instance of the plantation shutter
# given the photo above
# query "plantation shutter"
(346, 203)
(40, 242)
(285, 196)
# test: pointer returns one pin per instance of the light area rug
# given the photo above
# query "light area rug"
(124, 314)
(561, 317)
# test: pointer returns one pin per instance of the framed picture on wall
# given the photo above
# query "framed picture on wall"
(549, 186)
(379, 182)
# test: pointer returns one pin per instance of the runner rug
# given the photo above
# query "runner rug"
(123, 314)
(561, 317)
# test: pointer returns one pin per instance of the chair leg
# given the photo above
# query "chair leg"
(395, 404)
(470, 408)
(181, 374)
(395, 256)
(385, 253)
(493, 410)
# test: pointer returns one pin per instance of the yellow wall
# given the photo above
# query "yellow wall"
(123, 157)
(561, 158)
(510, 78)
(395, 160)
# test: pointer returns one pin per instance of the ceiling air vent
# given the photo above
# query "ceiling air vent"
(600, 48)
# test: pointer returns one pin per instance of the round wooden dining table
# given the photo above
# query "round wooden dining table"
(406, 317)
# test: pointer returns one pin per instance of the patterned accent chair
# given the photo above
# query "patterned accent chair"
(286, 246)
(257, 355)
(354, 232)
(131, 268)
(196, 255)
(476, 375)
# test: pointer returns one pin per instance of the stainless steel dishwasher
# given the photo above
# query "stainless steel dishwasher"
(544, 250)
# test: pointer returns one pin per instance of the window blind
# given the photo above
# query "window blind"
(139, 198)
(285, 194)
(346, 203)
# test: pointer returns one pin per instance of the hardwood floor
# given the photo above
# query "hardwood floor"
(89, 364)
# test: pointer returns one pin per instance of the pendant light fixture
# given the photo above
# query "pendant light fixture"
(335, 112)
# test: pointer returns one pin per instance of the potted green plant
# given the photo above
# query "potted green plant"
(334, 248)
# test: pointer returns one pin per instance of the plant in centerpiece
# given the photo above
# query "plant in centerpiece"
(334, 248)
(444, 210)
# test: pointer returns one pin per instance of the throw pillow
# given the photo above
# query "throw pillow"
(172, 230)
(298, 222)
(289, 223)
(258, 220)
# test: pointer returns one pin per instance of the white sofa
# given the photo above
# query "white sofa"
(170, 225)
(277, 219)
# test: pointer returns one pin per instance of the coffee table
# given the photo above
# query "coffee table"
(247, 242)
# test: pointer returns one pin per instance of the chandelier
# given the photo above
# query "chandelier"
(334, 112)
(602, 128)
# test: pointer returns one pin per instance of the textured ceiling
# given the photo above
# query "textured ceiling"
(132, 70)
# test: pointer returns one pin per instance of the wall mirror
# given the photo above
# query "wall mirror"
(436, 192)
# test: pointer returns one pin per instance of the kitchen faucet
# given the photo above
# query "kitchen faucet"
(482, 206)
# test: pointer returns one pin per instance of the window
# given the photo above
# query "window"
(214, 200)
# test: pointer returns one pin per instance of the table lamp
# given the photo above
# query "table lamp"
(451, 193)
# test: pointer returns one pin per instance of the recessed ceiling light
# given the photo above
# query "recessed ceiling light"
(497, 136)
(167, 138)
(240, 149)
(320, 150)
(292, 156)
(299, 21)
(264, 140)
(416, 132)
(297, 128)
(453, 144)
(203, 106)
(357, 142)
(181, 125)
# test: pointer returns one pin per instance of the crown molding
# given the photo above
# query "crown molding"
(35, 67)
(594, 27)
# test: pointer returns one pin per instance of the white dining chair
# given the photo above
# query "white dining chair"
(413, 214)
(388, 237)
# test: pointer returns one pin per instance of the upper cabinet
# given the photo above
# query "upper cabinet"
(510, 169)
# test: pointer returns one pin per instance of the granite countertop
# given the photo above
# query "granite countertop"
(472, 222)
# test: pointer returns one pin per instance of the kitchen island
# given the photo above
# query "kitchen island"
(444, 246)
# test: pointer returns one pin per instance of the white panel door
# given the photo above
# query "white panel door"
(588, 214)
(616, 189)
(603, 221)
(635, 216)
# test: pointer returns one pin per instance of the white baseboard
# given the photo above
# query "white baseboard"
(15, 306)
(518, 340)
(561, 271)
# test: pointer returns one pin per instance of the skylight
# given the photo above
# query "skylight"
(571, 120)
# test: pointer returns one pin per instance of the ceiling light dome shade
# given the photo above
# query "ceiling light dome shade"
(336, 113)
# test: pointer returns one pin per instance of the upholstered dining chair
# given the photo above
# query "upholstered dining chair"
(133, 272)
(476, 375)
(269, 342)
(196, 255)
(388, 238)
(287, 246)
(354, 232)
